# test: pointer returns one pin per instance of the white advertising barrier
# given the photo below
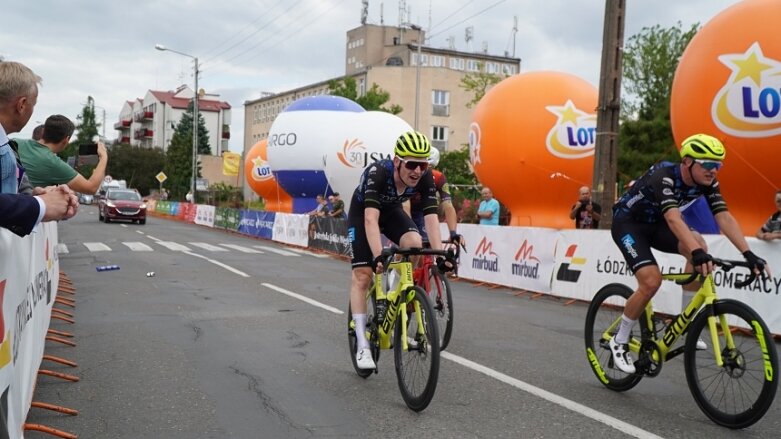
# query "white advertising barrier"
(291, 228)
(204, 215)
(519, 257)
(29, 277)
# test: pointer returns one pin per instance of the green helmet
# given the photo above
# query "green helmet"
(412, 144)
(703, 146)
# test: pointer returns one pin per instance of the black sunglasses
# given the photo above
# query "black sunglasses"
(412, 165)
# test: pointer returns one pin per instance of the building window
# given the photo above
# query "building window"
(472, 65)
(437, 61)
(508, 69)
(457, 63)
(440, 97)
(439, 137)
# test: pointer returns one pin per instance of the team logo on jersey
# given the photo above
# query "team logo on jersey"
(566, 272)
(573, 136)
(355, 155)
(474, 143)
(525, 264)
(261, 170)
(749, 103)
(485, 258)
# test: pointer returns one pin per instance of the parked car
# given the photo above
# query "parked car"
(122, 204)
(86, 198)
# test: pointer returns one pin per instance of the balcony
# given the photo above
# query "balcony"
(124, 139)
(143, 133)
(440, 110)
(149, 115)
(123, 124)
(226, 135)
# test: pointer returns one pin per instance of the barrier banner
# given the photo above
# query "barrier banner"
(164, 207)
(186, 212)
(329, 234)
(257, 223)
(232, 219)
(291, 228)
(204, 215)
(151, 205)
(221, 217)
(29, 278)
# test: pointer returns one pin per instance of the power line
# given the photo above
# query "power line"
(468, 18)
(451, 15)
(253, 21)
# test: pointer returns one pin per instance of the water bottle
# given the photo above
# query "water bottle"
(107, 267)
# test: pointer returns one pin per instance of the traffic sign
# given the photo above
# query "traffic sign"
(161, 177)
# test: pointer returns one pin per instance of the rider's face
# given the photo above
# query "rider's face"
(410, 177)
(703, 176)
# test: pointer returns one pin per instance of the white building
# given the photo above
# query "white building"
(152, 121)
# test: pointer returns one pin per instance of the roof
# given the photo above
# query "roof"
(169, 97)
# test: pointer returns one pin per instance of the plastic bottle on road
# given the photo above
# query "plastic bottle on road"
(107, 267)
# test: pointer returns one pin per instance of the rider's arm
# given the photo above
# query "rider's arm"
(680, 229)
(730, 228)
(371, 223)
(451, 218)
(432, 228)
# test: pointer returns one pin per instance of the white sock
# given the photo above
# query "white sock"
(360, 331)
(625, 329)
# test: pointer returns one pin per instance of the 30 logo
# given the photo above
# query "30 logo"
(355, 155)
(573, 136)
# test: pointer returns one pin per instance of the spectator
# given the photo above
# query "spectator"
(488, 212)
(20, 213)
(44, 167)
(772, 228)
(38, 133)
(585, 212)
(163, 194)
(321, 209)
(189, 196)
(18, 96)
(338, 207)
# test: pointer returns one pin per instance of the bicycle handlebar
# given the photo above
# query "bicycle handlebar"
(389, 253)
(726, 265)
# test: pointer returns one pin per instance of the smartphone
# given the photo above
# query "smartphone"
(88, 149)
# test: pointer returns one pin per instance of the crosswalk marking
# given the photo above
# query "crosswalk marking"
(276, 250)
(210, 247)
(174, 246)
(138, 246)
(97, 247)
(304, 252)
(241, 248)
(62, 248)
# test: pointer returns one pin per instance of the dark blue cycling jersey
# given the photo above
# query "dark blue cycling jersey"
(661, 189)
(377, 189)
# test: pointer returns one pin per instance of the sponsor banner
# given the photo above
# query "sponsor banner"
(291, 228)
(204, 215)
(29, 277)
(329, 234)
(220, 217)
(151, 206)
(186, 212)
(256, 223)
(163, 207)
(232, 219)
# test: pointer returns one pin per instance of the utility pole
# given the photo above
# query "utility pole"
(608, 110)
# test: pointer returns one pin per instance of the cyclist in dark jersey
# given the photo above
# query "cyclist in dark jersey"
(376, 208)
(649, 216)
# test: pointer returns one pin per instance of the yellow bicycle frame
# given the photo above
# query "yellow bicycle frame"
(395, 304)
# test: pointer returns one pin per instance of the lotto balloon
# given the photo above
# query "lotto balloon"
(262, 181)
(728, 85)
(532, 142)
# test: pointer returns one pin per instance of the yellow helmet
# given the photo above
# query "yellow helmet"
(412, 144)
(703, 146)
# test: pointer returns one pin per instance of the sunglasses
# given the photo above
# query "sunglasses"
(709, 165)
(413, 165)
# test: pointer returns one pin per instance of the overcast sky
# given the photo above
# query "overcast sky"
(105, 49)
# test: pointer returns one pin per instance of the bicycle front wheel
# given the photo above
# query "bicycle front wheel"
(739, 393)
(602, 319)
(417, 367)
(442, 300)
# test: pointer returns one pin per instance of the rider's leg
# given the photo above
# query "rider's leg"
(649, 279)
(361, 278)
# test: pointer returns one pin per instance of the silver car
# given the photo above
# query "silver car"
(86, 198)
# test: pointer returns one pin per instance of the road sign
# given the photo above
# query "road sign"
(161, 177)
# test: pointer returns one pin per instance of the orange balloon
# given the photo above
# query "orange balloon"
(728, 85)
(262, 181)
(532, 142)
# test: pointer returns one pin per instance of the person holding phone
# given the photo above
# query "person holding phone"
(45, 168)
(585, 212)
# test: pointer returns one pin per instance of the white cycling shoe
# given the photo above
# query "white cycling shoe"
(621, 358)
(701, 346)
(364, 360)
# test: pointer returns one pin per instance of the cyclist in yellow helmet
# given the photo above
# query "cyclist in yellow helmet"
(648, 216)
(376, 208)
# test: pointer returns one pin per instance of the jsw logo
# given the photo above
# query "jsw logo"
(354, 154)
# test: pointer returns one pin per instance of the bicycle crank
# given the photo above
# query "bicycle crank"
(646, 364)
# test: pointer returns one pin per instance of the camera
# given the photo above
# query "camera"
(88, 149)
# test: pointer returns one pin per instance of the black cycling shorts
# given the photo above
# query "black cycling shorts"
(635, 241)
(394, 223)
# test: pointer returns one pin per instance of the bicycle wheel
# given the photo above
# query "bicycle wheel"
(442, 300)
(371, 333)
(604, 313)
(740, 392)
(417, 367)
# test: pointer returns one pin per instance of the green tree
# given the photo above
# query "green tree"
(137, 165)
(650, 60)
(455, 165)
(478, 83)
(372, 100)
(86, 130)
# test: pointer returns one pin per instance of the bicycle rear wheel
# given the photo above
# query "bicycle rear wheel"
(604, 314)
(442, 300)
(417, 367)
(740, 392)
(371, 334)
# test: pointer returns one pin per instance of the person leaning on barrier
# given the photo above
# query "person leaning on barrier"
(772, 228)
(488, 211)
(20, 213)
(338, 207)
(18, 96)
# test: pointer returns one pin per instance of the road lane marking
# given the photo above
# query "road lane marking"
(138, 246)
(277, 251)
(97, 247)
(152, 238)
(138, 231)
(123, 225)
(304, 252)
(227, 267)
(62, 248)
(205, 246)
(303, 298)
(242, 248)
(175, 246)
(552, 397)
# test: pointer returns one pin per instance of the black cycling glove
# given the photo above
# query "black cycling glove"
(455, 237)
(754, 260)
(442, 266)
(378, 260)
(699, 257)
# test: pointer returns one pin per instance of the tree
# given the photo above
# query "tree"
(372, 100)
(137, 165)
(645, 135)
(478, 83)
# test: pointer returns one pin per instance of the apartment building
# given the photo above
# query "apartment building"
(151, 121)
(392, 58)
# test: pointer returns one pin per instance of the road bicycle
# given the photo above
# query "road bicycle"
(399, 316)
(437, 286)
(733, 380)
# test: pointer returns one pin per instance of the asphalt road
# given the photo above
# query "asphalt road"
(210, 348)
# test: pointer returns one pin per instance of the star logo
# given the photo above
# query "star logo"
(474, 143)
(573, 136)
(261, 170)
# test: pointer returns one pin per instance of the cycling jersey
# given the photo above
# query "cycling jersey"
(660, 189)
(377, 189)
(442, 189)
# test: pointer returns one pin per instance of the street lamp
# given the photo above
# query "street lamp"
(195, 115)
(417, 69)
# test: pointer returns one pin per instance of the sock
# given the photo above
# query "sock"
(360, 331)
(625, 329)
